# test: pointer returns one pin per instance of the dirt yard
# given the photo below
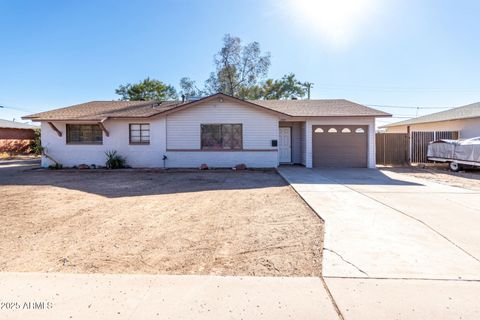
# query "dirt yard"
(469, 179)
(216, 222)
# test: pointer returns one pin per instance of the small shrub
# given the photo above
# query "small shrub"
(55, 166)
(15, 146)
(114, 160)
(36, 143)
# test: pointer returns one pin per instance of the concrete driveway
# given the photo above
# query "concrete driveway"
(396, 247)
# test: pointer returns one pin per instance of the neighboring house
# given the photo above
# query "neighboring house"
(218, 130)
(465, 120)
(12, 130)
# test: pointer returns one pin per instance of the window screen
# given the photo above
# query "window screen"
(221, 136)
(140, 133)
(84, 134)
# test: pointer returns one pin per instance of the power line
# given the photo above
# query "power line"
(404, 107)
(14, 108)
(397, 88)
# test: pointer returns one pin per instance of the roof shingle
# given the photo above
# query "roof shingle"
(464, 112)
(15, 125)
(320, 108)
(99, 110)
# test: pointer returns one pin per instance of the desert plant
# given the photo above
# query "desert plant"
(55, 166)
(114, 160)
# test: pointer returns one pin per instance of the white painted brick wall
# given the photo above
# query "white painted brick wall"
(137, 155)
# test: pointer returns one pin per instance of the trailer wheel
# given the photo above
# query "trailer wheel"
(454, 166)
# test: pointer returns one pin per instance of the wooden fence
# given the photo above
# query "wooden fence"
(419, 143)
(399, 148)
(392, 148)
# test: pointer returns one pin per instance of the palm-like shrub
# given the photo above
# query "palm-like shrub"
(114, 160)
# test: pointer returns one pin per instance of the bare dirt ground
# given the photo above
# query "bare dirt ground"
(469, 179)
(216, 222)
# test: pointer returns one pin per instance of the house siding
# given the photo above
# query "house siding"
(137, 155)
(364, 121)
(468, 128)
(181, 133)
(259, 129)
(177, 136)
(303, 143)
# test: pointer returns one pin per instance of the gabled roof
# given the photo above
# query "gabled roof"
(321, 108)
(464, 112)
(15, 125)
(100, 110)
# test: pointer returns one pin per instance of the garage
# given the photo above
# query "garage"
(340, 146)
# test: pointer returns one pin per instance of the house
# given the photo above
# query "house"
(465, 120)
(12, 130)
(218, 130)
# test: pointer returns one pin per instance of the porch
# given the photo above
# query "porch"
(292, 142)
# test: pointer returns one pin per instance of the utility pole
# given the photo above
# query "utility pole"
(308, 85)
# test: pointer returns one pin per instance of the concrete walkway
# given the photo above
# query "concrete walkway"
(80, 296)
(396, 247)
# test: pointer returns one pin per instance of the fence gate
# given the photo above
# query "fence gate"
(392, 148)
(420, 139)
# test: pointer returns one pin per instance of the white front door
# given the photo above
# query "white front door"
(285, 144)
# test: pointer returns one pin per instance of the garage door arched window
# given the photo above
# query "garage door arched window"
(359, 130)
(332, 130)
(319, 130)
(346, 130)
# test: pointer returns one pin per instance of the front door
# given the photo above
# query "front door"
(285, 145)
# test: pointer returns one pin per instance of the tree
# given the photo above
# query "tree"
(237, 67)
(188, 88)
(285, 88)
(148, 89)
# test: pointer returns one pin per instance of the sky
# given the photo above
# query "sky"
(406, 57)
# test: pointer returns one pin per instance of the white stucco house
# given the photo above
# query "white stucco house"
(464, 119)
(218, 130)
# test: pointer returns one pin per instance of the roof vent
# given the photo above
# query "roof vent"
(192, 98)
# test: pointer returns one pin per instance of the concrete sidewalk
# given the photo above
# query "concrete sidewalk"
(81, 296)
(389, 236)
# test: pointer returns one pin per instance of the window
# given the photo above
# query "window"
(332, 130)
(221, 136)
(346, 130)
(359, 130)
(84, 134)
(139, 133)
(319, 130)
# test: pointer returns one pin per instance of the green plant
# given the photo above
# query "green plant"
(114, 160)
(36, 144)
(55, 166)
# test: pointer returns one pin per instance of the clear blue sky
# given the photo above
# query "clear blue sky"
(380, 52)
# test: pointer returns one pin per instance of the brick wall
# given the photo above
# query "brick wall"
(21, 134)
